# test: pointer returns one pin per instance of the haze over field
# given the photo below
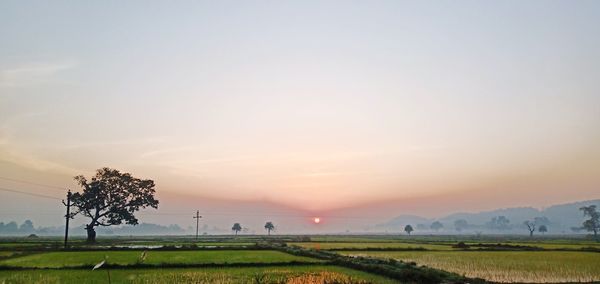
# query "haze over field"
(352, 111)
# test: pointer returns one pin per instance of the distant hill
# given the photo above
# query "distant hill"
(562, 217)
(516, 215)
(402, 220)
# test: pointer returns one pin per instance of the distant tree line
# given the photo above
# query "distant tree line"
(27, 227)
(13, 228)
(502, 223)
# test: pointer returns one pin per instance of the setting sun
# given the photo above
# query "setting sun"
(317, 220)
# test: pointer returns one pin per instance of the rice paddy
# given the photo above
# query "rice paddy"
(258, 260)
(90, 258)
(505, 266)
(275, 274)
(369, 245)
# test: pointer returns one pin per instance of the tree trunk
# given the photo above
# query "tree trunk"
(91, 234)
(269, 232)
(530, 233)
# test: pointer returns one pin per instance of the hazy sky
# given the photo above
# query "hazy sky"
(315, 105)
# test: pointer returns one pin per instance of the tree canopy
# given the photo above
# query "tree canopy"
(436, 226)
(111, 198)
(269, 227)
(236, 228)
(461, 224)
(592, 224)
(498, 223)
(408, 229)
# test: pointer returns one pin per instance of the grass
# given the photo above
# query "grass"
(554, 245)
(505, 266)
(7, 253)
(438, 243)
(90, 258)
(380, 239)
(291, 275)
(224, 244)
(238, 261)
(369, 245)
(437, 246)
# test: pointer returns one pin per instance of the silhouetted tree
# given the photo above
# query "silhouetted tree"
(436, 226)
(111, 198)
(408, 229)
(592, 224)
(530, 226)
(461, 224)
(543, 229)
(236, 228)
(269, 227)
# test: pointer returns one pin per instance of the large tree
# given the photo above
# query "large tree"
(269, 227)
(592, 224)
(111, 198)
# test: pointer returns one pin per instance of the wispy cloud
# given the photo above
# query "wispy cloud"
(33, 73)
(10, 152)
(28, 161)
(142, 141)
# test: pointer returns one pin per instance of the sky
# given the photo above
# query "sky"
(316, 107)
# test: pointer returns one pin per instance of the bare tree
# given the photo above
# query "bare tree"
(530, 226)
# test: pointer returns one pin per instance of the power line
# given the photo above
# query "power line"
(33, 183)
(29, 193)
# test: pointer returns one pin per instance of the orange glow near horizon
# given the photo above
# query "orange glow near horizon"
(317, 220)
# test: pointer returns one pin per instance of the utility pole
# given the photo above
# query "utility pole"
(67, 217)
(197, 217)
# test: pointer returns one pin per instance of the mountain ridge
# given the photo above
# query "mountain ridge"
(561, 216)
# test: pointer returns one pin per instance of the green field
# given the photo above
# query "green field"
(6, 253)
(435, 245)
(368, 245)
(557, 245)
(90, 258)
(504, 266)
(303, 259)
(268, 274)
